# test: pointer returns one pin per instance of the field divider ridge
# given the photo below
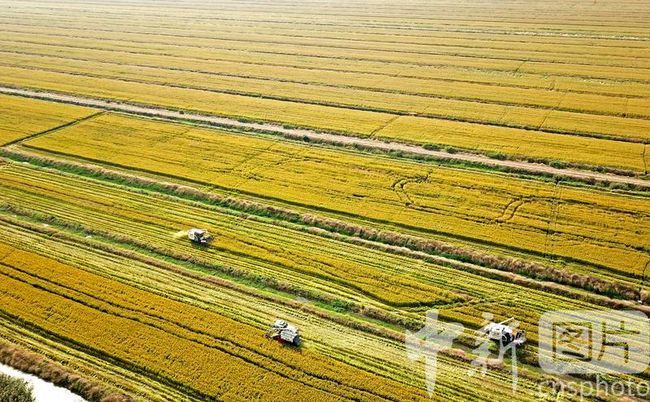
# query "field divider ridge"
(308, 135)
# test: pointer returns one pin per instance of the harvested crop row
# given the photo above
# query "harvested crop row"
(299, 269)
(204, 340)
(528, 309)
(130, 219)
(415, 195)
(180, 318)
(264, 249)
(529, 312)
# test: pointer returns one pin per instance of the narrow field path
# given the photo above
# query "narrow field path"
(336, 139)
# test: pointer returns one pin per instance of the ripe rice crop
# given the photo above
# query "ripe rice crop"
(332, 71)
(56, 275)
(512, 213)
(186, 324)
(21, 117)
(465, 102)
(512, 141)
(353, 240)
(378, 355)
(509, 141)
(306, 261)
(231, 350)
(95, 61)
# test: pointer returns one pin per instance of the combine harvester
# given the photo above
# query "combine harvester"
(282, 332)
(500, 332)
(199, 236)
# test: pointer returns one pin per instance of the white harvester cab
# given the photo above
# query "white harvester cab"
(199, 236)
(501, 332)
(284, 332)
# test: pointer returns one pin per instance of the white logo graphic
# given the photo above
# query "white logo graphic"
(594, 342)
(427, 342)
(437, 336)
(508, 338)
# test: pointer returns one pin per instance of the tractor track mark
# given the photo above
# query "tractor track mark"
(510, 210)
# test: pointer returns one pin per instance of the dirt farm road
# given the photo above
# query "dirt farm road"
(312, 135)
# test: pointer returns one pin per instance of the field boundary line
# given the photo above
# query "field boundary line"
(323, 137)
(53, 129)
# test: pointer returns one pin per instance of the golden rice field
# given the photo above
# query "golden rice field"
(474, 87)
(613, 230)
(22, 118)
(534, 198)
(130, 310)
(118, 228)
